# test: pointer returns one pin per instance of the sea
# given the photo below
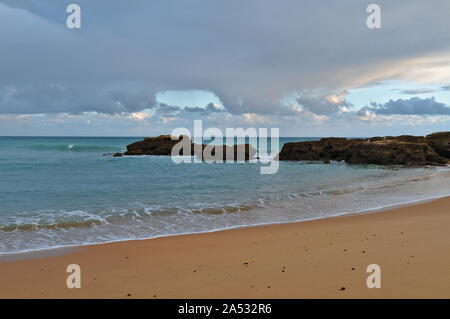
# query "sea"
(64, 191)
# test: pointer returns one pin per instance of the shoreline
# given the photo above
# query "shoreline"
(310, 259)
(65, 249)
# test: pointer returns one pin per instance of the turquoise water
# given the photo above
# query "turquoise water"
(60, 191)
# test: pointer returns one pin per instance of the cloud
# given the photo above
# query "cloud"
(54, 98)
(323, 104)
(418, 91)
(250, 54)
(424, 90)
(167, 109)
(413, 106)
(209, 108)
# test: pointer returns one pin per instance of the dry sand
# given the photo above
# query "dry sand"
(313, 259)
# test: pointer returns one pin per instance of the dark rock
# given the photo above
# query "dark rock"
(118, 154)
(406, 138)
(410, 150)
(162, 145)
(440, 142)
(390, 152)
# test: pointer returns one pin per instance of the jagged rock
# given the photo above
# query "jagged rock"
(440, 142)
(162, 145)
(390, 150)
(228, 152)
(118, 154)
(406, 138)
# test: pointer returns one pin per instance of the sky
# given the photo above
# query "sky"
(143, 68)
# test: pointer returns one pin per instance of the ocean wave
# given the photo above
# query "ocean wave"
(74, 148)
(35, 227)
(224, 209)
(53, 220)
(81, 219)
(38, 229)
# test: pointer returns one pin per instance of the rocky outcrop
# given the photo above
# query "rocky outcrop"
(410, 150)
(162, 145)
(440, 142)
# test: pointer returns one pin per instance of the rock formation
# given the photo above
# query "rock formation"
(163, 144)
(433, 149)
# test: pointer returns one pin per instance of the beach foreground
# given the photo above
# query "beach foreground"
(324, 258)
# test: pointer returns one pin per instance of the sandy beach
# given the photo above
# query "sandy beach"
(324, 258)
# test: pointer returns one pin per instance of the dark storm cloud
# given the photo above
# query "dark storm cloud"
(411, 106)
(42, 98)
(249, 53)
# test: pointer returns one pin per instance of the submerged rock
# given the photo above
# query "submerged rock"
(410, 150)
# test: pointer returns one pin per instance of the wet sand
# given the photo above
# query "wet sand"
(324, 258)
